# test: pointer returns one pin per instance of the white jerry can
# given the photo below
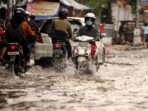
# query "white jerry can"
(137, 36)
(48, 46)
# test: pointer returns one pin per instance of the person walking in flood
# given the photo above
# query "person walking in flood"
(145, 33)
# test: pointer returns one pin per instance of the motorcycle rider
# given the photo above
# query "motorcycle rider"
(62, 30)
(30, 34)
(17, 21)
(145, 33)
(90, 30)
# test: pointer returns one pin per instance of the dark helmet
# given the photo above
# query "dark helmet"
(63, 13)
(18, 16)
(20, 12)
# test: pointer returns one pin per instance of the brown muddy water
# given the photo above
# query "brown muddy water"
(121, 84)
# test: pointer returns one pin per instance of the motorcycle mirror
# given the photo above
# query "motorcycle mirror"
(75, 30)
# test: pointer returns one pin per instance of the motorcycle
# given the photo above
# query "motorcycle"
(83, 56)
(15, 63)
(59, 55)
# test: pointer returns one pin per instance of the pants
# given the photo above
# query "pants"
(69, 49)
(26, 53)
(146, 38)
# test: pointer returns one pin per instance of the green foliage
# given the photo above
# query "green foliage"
(95, 4)
(132, 3)
(4, 1)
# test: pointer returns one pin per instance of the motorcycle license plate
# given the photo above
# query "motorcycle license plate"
(13, 53)
(58, 51)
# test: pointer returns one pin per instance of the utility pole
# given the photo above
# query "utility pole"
(8, 9)
(137, 12)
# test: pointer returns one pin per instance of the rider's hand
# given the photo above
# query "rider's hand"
(91, 42)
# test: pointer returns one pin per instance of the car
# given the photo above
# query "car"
(43, 45)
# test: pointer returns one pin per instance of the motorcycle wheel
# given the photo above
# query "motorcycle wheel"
(79, 69)
(83, 68)
(59, 64)
(16, 70)
(13, 69)
(23, 66)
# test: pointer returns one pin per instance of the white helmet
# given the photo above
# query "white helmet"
(90, 15)
(90, 19)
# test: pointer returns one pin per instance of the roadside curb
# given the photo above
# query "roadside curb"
(118, 48)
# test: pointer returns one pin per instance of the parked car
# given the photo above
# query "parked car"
(43, 45)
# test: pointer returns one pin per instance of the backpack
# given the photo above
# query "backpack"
(57, 34)
(16, 34)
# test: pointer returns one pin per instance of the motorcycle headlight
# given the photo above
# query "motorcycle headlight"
(81, 52)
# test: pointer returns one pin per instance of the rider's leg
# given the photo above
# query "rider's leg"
(26, 54)
(3, 51)
(69, 49)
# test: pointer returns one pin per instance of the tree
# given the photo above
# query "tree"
(95, 4)
(132, 3)
(4, 1)
(101, 8)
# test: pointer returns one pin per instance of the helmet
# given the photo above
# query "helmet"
(63, 13)
(90, 19)
(90, 15)
(18, 16)
(20, 12)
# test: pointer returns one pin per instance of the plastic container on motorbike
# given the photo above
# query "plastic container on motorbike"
(84, 38)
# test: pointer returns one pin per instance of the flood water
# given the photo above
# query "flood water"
(121, 84)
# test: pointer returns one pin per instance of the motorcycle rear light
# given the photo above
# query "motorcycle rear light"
(39, 39)
(57, 45)
(12, 47)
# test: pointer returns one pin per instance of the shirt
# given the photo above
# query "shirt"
(62, 25)
(102, 28)
(26, 27)
(145, 29)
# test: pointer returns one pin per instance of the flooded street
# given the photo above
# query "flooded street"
(121, 84)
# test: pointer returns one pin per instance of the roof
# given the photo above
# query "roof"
(43, 9)
(75, 5)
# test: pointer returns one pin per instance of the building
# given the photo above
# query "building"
(143, 10)
(43, 9)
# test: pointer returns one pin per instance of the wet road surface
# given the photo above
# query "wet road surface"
(121, 84)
